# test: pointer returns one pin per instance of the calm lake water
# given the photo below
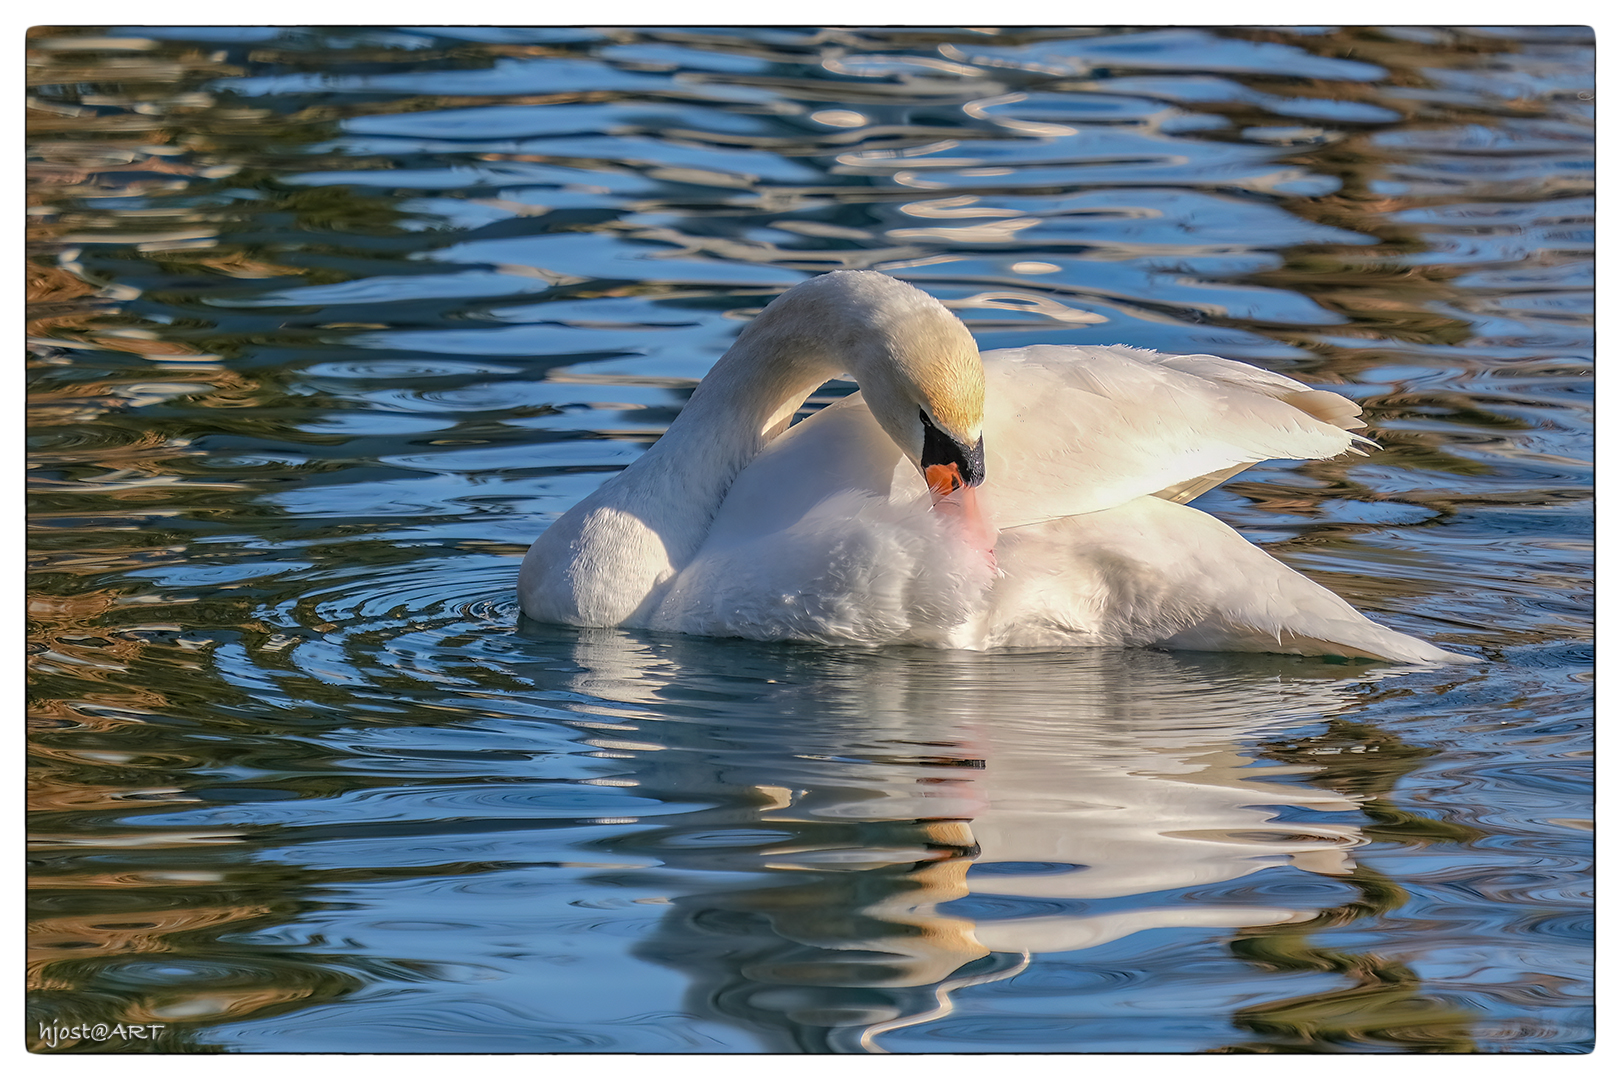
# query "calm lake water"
(328, 324)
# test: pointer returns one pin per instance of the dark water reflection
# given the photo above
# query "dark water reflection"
(326, 324)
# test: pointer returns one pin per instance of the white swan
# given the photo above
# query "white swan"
(863, 524)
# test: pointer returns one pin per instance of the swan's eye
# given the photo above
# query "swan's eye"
(941, 450)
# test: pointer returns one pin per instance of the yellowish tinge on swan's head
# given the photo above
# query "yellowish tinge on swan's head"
(944, 365)
(930, 353)
(904, 348)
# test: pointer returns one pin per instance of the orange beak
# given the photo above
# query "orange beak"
(942, 480)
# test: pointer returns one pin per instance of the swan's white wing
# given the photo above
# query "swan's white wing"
(1075, 429)
(1328, 407)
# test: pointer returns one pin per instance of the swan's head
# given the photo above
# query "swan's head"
(916, 363)
(930, 398)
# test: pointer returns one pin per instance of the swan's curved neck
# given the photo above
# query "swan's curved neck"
(880, 330)
(754, 389)
(745, 401)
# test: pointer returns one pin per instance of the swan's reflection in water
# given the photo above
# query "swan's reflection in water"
(881, 829)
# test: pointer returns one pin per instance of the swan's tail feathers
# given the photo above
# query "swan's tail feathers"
(1152, 572)
(1356, 639)
(1237, 597)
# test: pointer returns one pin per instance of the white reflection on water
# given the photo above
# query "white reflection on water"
(912, 823)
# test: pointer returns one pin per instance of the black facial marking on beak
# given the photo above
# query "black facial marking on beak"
(941, 449)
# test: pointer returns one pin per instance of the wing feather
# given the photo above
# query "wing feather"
(1076, 429)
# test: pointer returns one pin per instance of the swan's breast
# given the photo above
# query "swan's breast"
(599, 566)
(840, 449)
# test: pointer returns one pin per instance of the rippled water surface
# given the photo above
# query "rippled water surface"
(327, 325)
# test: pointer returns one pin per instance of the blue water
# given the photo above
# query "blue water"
(327, 325)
